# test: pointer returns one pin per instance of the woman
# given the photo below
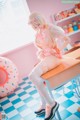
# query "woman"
(50, 56)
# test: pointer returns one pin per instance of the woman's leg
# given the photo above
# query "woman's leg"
(41, 109)
(38, 82)
(35, 76)
(43, 102)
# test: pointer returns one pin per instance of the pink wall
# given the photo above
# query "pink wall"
(24, 58)
(47, 7)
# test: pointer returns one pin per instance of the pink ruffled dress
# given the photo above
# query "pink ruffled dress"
(46, 41)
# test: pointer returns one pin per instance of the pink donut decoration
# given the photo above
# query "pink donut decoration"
(9, 77)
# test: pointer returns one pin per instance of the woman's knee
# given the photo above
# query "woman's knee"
(35, 79)
(31, 76)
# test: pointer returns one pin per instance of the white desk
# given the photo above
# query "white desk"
(69, 68)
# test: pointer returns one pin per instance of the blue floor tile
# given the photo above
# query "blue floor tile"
(27, 87)
(28, 99)
(5, 102)
(9, 109)
(67, 103)
(22, 93)
(57, 95)
(31, 116)
(21, 104)
(69, 94)
(17, 89)
(16, 101)
(16, 117)
(64, 114)
(20, 109)
(12, 95)
(1, 109)
(21, 83)
(77, 114)
(33, 92)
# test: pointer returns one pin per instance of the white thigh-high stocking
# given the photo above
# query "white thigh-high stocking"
(44, 94)
(43, 102)
(38, 82)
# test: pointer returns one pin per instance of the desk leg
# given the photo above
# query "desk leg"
(76, 85)
(50, 92)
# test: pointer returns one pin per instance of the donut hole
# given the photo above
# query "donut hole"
(3, 76)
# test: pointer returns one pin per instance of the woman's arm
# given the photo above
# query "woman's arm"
(65, 40)
(58, 35)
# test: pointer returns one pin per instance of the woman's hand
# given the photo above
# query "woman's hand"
(57, 52)
(40, 54)
(66, 41)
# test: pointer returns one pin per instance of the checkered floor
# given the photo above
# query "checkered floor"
(21, 104)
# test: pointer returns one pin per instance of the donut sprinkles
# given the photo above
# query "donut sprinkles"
(9, 77)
